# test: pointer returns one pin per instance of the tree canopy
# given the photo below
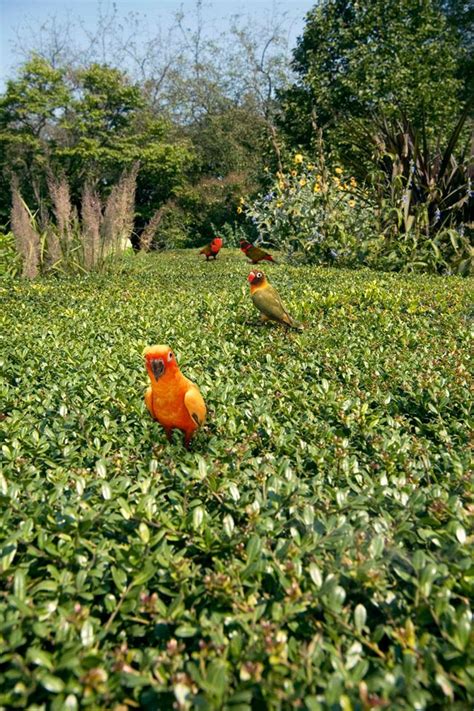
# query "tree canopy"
(360, 57)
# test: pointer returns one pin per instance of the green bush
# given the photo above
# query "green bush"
(199, 210)
(312, 550)
(422, 198)
(314, 214)
(9, 257)
(413, 213)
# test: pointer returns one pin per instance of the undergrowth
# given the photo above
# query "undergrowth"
(314, 548)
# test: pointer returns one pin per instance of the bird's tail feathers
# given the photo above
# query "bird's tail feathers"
(295, 324)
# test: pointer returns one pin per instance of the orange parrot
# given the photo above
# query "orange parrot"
(172, 399)
(255, 254)
(212, 249)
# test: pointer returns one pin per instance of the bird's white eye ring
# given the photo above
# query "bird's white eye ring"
(170, 356)
(259, 274)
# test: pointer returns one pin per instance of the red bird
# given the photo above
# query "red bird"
(212, 249)
(255, 254)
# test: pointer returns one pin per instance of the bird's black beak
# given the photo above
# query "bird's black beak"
(157, 367)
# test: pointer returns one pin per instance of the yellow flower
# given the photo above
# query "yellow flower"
(281, 184)
(298, 158)
(310, 166)
(338, 171)
(279, 203)
(303, 182)
(317, 188)
(352, 203)
(353, 183)
(293, 173)
(239, 210)
(242, 201)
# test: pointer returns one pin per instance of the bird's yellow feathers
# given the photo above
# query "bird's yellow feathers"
(156, 351)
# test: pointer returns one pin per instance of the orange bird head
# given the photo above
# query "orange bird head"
(217, 242)
(159, 361)
(257, 278)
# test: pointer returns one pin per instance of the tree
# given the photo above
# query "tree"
(460, 17)
(360, 57)
(196, 112)
(30, 111)
(90, 125)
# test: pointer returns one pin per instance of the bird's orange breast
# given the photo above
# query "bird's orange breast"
(258, 287)
(168, 408)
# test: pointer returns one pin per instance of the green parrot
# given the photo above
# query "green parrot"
(255, 254)
(268, 302)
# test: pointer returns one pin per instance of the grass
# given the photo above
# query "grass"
(312, 550)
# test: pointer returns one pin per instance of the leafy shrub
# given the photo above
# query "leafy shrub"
(314, 548)
(414, 211)
(424, 200)
(233, 233)
(197, 211)
(9, 257)
(313, 214)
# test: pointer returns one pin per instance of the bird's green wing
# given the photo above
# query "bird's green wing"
(268, 302)
(255, 253)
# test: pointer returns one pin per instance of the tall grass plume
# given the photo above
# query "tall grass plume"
(73, 241)
(27, 239)
(91, 214)
(119, 213)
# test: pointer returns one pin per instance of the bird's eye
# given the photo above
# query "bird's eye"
(259, 274)
(170, 356)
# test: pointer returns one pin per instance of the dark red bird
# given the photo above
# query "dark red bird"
(212, 249)
(255, 254)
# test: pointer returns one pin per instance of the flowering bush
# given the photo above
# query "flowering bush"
(413, 213)
(313, 214)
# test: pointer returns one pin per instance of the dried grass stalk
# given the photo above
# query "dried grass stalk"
(146, 237)
(119, 213)
(60, 195)
(91, 214)
(53, 246)
(26, 237)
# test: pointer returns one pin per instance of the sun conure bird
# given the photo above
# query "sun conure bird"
(172, 399)
(255, 254)
(268, 302)
(212, 249)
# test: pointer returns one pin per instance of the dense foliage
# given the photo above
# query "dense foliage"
(90, 126)
(413, 212)
(389, 85)
(355, 59)
(313, 550)
(210, 120)
(189, 108)
(315, 214)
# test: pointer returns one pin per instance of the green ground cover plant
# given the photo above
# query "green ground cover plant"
(313, 550)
